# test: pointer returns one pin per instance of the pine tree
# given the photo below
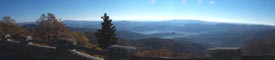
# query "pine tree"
(106, 35)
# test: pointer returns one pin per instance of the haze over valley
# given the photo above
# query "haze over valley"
(199, 35)
(137, 29)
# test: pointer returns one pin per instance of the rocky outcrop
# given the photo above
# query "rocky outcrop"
(117, 52)
(37, 52)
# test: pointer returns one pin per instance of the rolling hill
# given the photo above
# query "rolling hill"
(209, 34)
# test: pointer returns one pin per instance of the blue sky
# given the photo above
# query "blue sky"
(240, 11)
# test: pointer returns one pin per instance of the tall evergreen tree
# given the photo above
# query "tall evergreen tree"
(106, 35)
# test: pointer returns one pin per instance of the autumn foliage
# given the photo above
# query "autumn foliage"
(79, 38)
(50, 29)
(9, 26)
(162, 52)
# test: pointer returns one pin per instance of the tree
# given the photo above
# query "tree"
(50, 27)
(106, 35)
(8, 20)
(9, 26)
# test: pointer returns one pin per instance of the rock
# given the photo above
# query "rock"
(7, 36)
(65, 44)
(25, 40)
(117, 52)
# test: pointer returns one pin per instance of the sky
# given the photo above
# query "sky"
(237, 11)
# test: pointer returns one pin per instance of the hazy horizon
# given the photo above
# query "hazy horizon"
(242, 23)
(137, 29)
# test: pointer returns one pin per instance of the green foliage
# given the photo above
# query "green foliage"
(106, 35)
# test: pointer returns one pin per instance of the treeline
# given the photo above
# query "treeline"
(48, 29)
(8, 26)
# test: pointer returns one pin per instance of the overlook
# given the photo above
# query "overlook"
(137, 30)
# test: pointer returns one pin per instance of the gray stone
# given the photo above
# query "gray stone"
(25, 40)
(7, 36)
(117, 52)
(65, 44)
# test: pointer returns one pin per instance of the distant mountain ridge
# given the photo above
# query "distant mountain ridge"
(186, 27)
(174, 45)
(212, 34)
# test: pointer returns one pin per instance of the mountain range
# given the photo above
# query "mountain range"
(178, 35)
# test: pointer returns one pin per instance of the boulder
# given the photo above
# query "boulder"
(117, 52)
(65, 44)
